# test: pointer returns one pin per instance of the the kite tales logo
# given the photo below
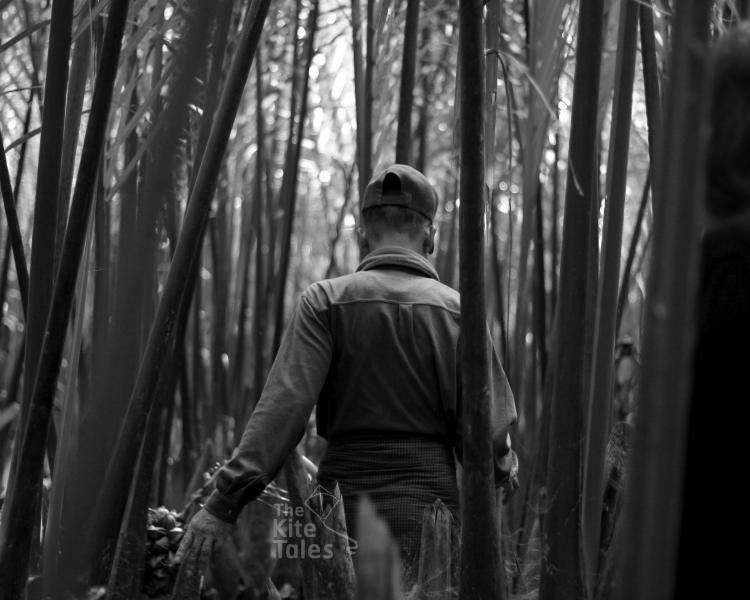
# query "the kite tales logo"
(308, 531)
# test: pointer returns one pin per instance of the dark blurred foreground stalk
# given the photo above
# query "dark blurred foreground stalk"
(654, 495)
(480, 565)
(16, 538)
(111, 500)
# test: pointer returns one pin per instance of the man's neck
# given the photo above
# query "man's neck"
(396, 242)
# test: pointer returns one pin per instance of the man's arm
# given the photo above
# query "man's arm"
(278, 421)
(274, 429)
(502, 417)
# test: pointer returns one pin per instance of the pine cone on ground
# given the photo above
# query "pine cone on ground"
(163, 537)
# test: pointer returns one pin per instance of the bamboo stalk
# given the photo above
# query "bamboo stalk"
(406, 89)
(220, 291)
(492, 42)
(198, 374)
(480, 576)
(359, 92)
(187, 414)
(102, 283)
(259, 328)
(540, 291)
(652, 91)
(366, 173)
(247, 241)
(53, 569)
(427, 81)
(289, 191)
(627, 271)
(497, 279)
(561, 569)
(602, 385)
(170, 389)
(73, 110)
(554, 241)
(492, 28)
(283, 200)
(126, 572)
(333, 269)
(546, 40)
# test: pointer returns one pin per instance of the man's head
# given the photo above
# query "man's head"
(729, 149)
(398, 209)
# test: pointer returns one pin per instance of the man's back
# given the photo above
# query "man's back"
(393, 367)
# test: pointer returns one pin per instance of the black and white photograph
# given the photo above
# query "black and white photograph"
(374, 299)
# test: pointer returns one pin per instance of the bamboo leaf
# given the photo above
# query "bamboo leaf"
(23, 35)
(23, 139)
(14, 230)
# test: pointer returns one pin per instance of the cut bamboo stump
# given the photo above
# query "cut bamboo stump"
(335, 574)
(436, 578)
(377, 563)
(326, 560)
(300, 489)
(256, 525)
(271, 591)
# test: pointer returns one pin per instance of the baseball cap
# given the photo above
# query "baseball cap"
(401, 185)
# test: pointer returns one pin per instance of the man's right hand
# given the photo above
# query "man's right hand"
(508, 466)
(205, 534)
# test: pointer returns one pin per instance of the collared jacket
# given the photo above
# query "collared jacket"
(378, 352)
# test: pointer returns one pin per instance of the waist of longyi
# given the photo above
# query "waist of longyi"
(388, 457)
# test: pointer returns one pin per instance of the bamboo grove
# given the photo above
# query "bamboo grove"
(175, 172)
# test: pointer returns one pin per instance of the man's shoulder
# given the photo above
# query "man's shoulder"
(324, 292)
(373, 285)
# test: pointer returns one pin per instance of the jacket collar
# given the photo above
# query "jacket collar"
(399, 258)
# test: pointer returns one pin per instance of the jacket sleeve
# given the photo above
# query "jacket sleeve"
(502, 415)
(278, 421)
